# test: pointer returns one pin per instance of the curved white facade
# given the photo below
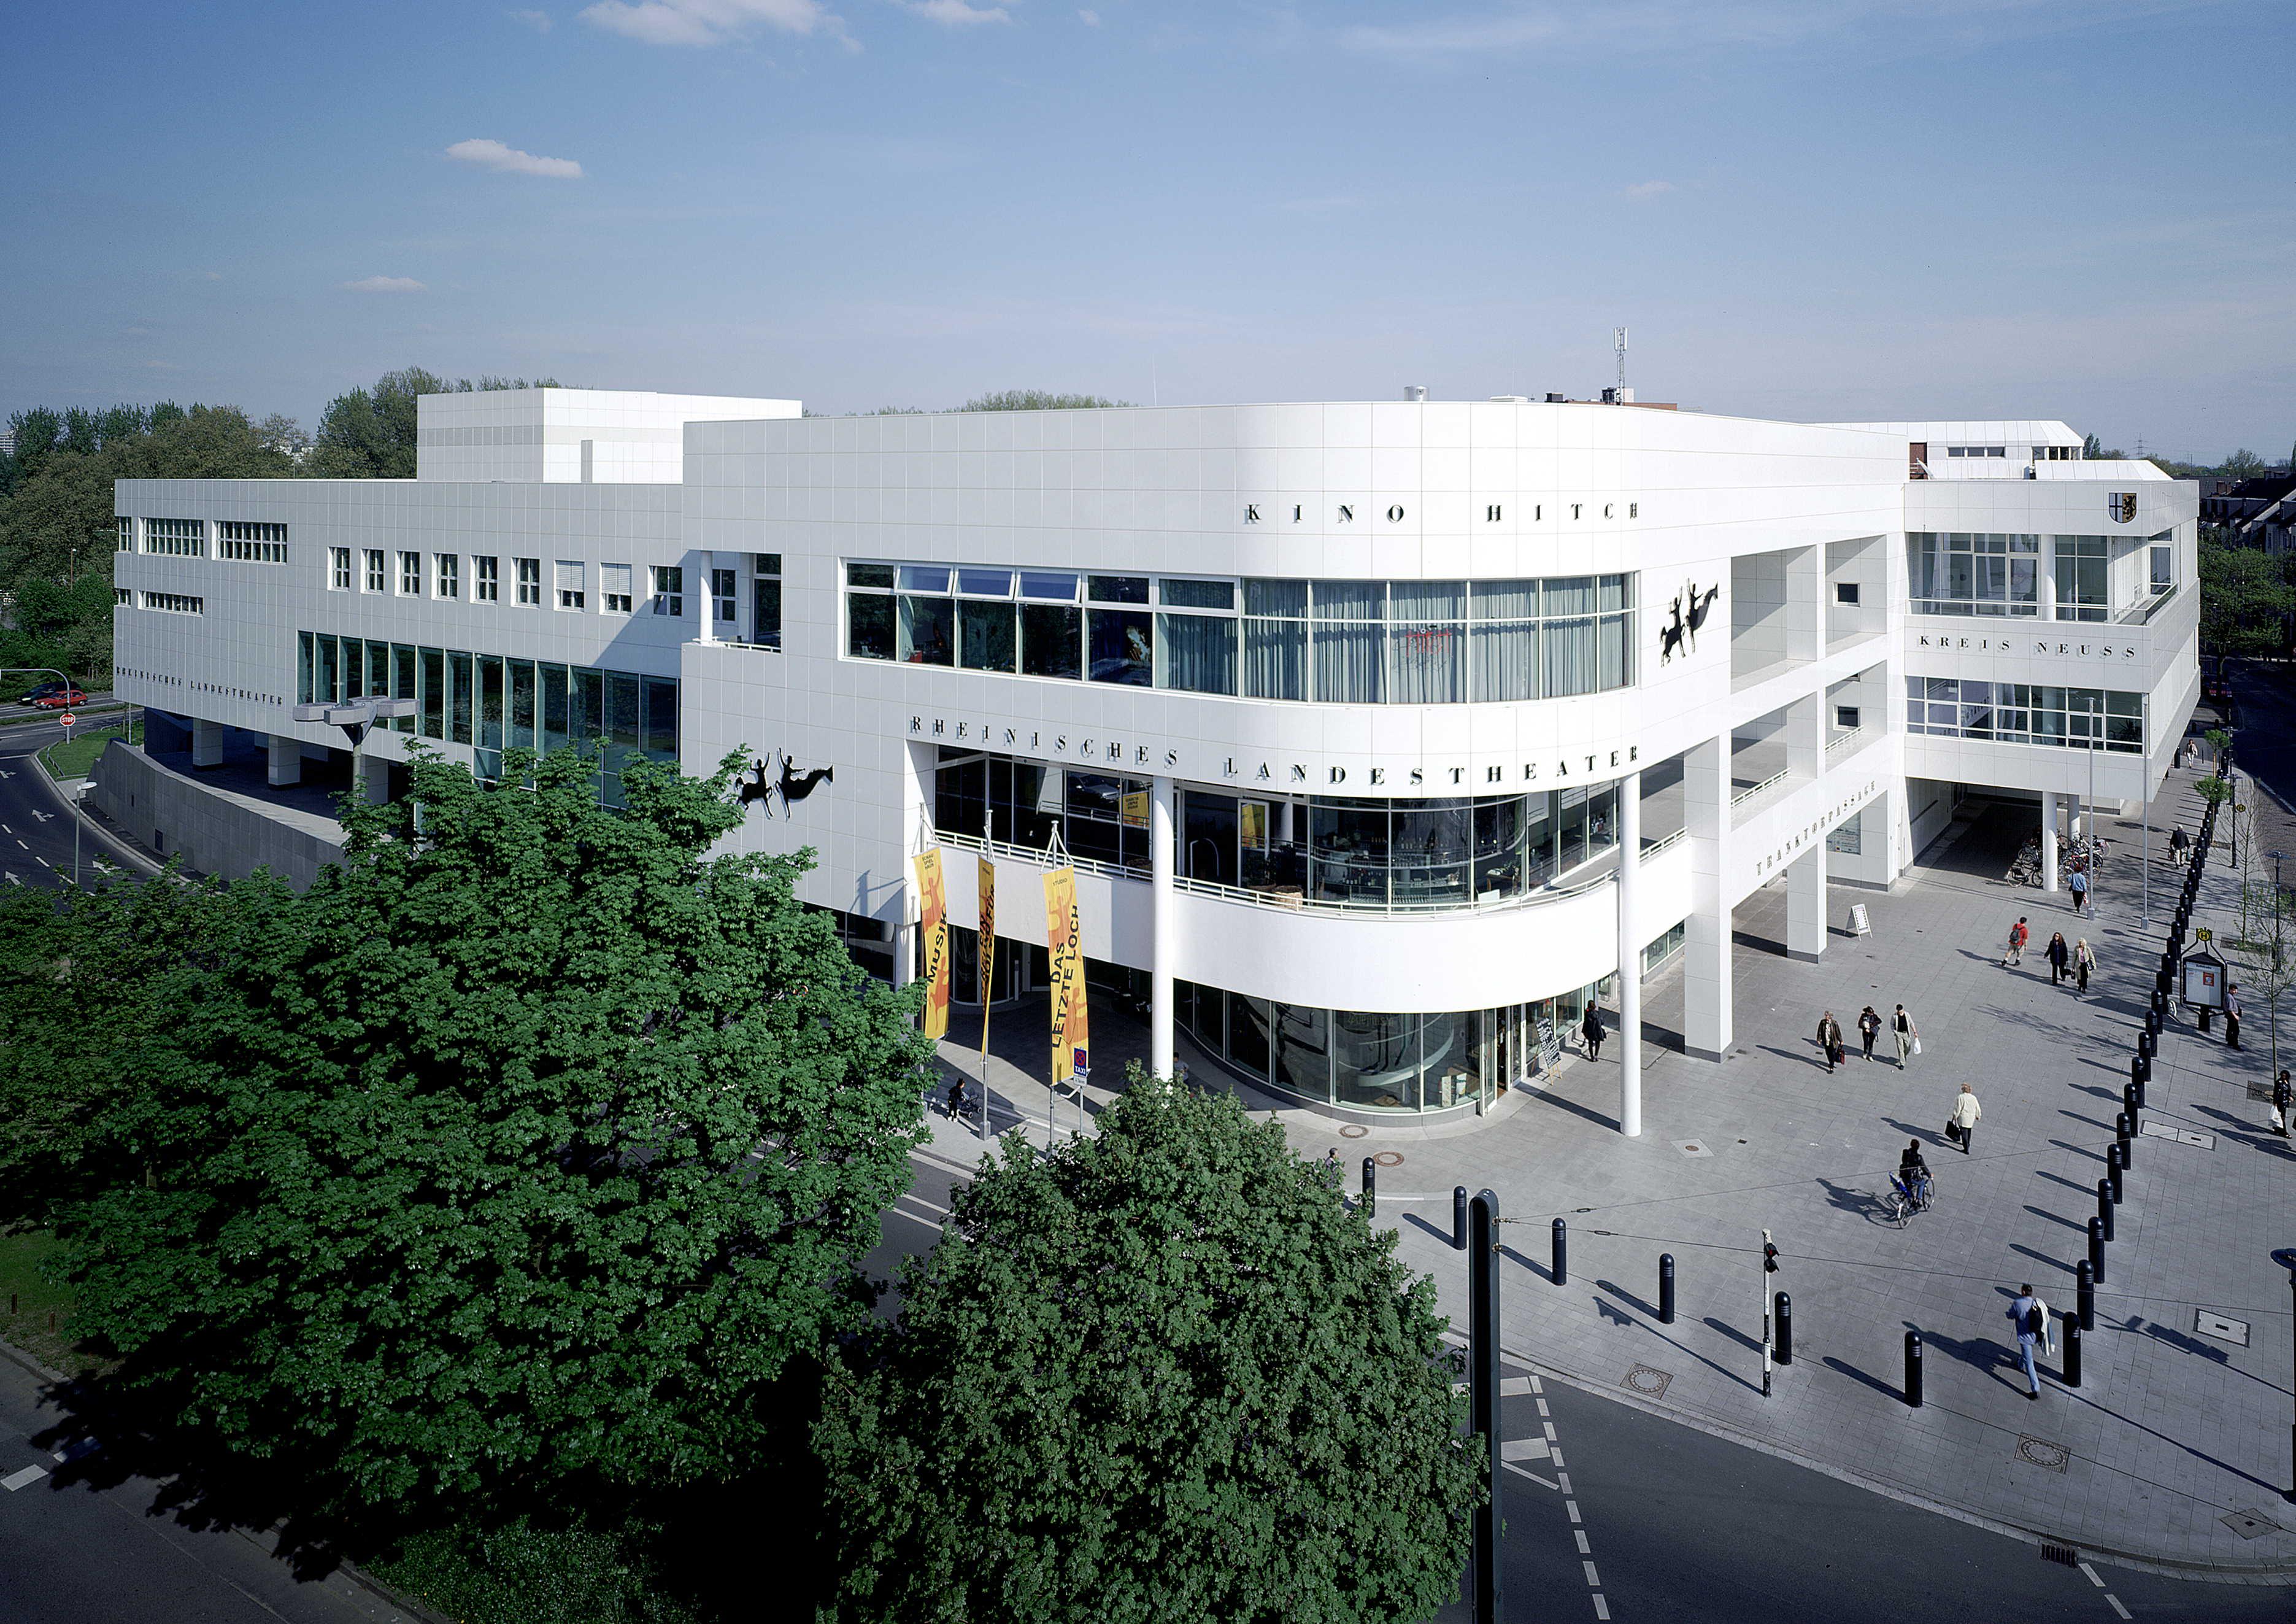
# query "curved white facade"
(1812, 698)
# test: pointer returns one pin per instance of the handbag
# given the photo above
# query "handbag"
(1952, 1130)
(1917, 1045)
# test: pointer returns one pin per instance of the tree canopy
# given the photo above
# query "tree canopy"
(529, 1145)
(369, 434)
(1162, 1372)
(1035, 400)
(2245, 596)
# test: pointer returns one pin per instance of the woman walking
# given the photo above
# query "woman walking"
(1869, 1028)
(2060, 957)
(1829, 1038)
(1591, 1030)
(1908, 1040)
(2084, 961)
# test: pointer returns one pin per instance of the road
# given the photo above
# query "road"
(2265, 733)
(70, 1554)
(36, 822)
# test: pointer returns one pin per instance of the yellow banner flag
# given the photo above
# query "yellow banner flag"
(988, 945)
(1064, 950)
(933, 908)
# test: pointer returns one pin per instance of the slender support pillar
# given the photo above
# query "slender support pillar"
(708, 583)
(1806, 904)
(2048, 840)
(285, 763)
(374, 779)
(1707, 1031)
(1630, 956)
(207, 742)
(1164, 949)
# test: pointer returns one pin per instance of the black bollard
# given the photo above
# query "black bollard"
(1459, 1217)
(1914, 1369)
(2144, 1044)
(2105, 1205)
(2071, 1372)
(2140, 1072)
(1561, 1253)
(2135, 1072)
(2096, 1250)
(2114, 1169)
(2124, 1134)
(1370, 1188)
(2085, 1296)
(1783, 1306)
(2132, 1094)
(2152, 1023)
(1666, 1288)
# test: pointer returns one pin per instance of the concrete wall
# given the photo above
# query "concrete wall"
(214, 831)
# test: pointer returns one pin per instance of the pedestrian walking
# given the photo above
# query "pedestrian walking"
(2048, 1330)
(1829, 1038)
(2281, 1093)
(1869, 1028)
(2018, 936)
(2079, 882)
(1961, 1127)
(2084, 961)
(2232, 1016)
(2060, 957)
(1909, 1040)
(956, 1100)
(1591, 1030)
(2180, 843)
(2024, 1315)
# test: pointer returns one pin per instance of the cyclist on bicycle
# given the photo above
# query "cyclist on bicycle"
(1914, 1173)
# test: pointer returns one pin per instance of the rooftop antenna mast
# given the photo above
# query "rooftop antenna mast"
(1619, 343)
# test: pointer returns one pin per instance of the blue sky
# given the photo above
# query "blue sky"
(1802, 207)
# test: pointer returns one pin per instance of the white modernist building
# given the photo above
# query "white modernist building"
(1382, 735)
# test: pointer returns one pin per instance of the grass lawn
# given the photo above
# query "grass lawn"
(35, 1313)
(75, 756)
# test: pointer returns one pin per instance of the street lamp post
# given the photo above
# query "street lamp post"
(69, 686)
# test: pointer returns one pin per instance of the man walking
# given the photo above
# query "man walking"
(2079, 883)
(1829, 1038)
(1591, 1030)
(1962, 1124)
(2178, 843)
(2281, 1093)
(1908, 1040)
(2018, 936)
(2232, 1016)
(1869, 1028)
(2024, 1314)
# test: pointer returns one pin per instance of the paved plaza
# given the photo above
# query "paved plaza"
(2173, 1451)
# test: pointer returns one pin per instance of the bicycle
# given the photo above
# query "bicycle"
(1904, 1201)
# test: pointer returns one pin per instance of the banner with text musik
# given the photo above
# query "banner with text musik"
(1064, 955)
(987, 955)
(933, 913)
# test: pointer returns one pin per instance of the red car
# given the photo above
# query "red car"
(62, 699)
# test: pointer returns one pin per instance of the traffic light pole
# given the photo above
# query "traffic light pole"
(1762, 1284)
(1483, 1384)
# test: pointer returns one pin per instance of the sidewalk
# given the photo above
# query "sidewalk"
(2174, 1433)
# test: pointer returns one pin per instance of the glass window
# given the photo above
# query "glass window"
(869, 575)
(339, 569)
(1375, 1059)
(987, 638)
(669, 589)
(616, 590)
(765, 563)
(869, 626)
(410, 575)
(928, 631)
(374, 570)
(985, 583)
(1303, 1051)
(765, 611)
(522, 703)
(1249, 1038)
(1276, 659)
(1119, 588)
(1197, 595)
(486, 579)
(458, 711)
(552, 681)
(446, 575)
(723, 592)
(491, 702)
(1348, 841)
(1048, 586)
(1198, 650)
(662, 719)
(432, 699)
(1052, 640)
(1429, 844)
(402, 687)
(1123, 644)
(924, 578)
(529, 582)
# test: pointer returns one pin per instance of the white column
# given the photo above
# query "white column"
(1630, 956)
(1806, 904)
(375, 775)
(2048, 840)
(207, 742)
(285, 761)
(1706, 1015)
(2048, 582)
(1805, 570)
(1163, 948)
(709, 633)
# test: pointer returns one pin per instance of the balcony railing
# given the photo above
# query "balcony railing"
(1771, 782)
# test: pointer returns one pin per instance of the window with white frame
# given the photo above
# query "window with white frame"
(2084, 589)
(766, 600)
(669, 589)
(486, 578)
(249, 542)
(339, 569)
(614, 584)
(529, 582)
(446, 575)
(723, 594)
(121, 598)
(175, 603)
(125, 540)
(2163, 561)
(410, 575)
(375, 581)
(177, 537)
(570, 593)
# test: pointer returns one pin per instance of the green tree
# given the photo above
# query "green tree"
(2241, 464)
(2243, 598)
(1161, 1373)
(1035, 400)
(528, 1146)
(37, 430)
(369, 434)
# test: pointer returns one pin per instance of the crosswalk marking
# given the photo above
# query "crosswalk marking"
(25, 1479)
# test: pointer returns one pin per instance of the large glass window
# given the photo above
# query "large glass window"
(2083, 593)
(1275, 639)
(1122, 646)
(1979, 573)
(2024, 713)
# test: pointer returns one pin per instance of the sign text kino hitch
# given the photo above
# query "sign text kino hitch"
(1117, 752)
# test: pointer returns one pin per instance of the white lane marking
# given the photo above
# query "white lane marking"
(2093, 1579)
(1534, 1387)
(1566, 1480)
(1584, 1548)
(19, 840)
(1533, 1476)
(5, 830)
(43, 816)
(922, 1201)
(1524, 1449)
(1572, 1507)
(42, 861)
(1550, 1432)
(1514, 1387)
(12, 877)
(1554, 1453)
(1602, 1610)
(1542, 1409)
(25, 1479)
(1593, 1581)
(2117, 1607)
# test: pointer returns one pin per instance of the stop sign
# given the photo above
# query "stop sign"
(67, 719)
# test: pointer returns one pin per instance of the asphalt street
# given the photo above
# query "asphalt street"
(36, 822)
(2264, 742)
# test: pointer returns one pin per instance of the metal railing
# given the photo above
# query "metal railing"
(1771, 782)
(1836, 744)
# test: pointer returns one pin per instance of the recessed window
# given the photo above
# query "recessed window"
(248, 543)
(446, 578)
(374, 570)
(410, 575)
(669, 589)
(614, 584)
(121, 598)
(765, 601)
(570, 593)
(175, 603)
(722, 595)
(177, 537)
(529, 582)
(1845, 716)
(339, 569)
(486, 578)
(125, 534)
(1845, 592)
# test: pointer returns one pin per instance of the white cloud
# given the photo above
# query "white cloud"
(509, 161)
(957, 13)
(385, 284)
(539, 21)
(705, 22)
(1650, 188)
(1090, 20)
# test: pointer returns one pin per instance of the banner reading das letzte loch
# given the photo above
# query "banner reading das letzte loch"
(1064, 950)
(934, 908)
